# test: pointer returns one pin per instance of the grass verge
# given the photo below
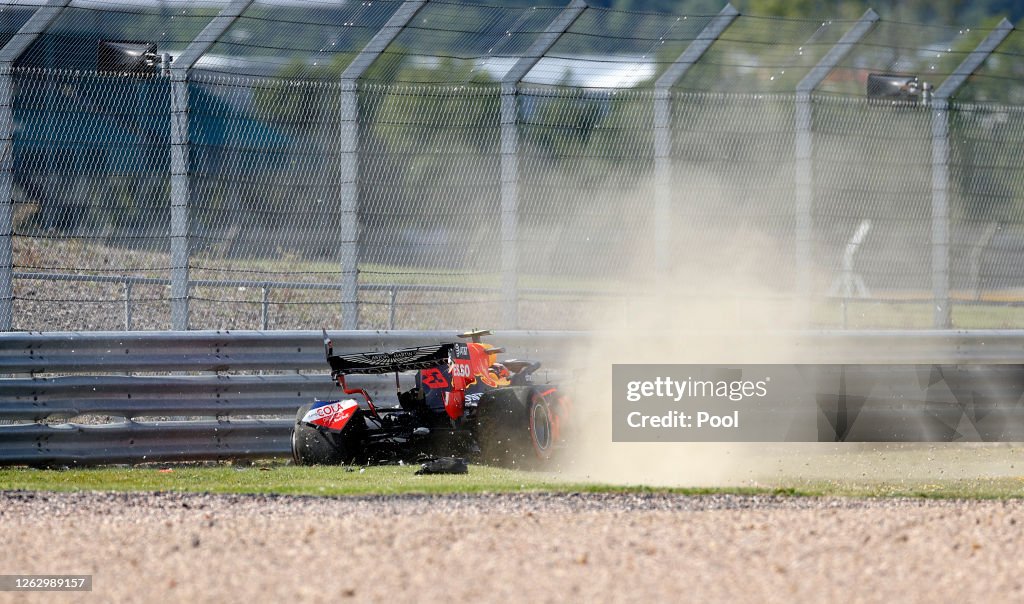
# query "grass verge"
(983, 488)
(277, 478)
(280, 479)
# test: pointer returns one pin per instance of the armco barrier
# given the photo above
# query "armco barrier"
(222, 351)
(61, 376)
(132, 442)
(225, 351)
(222, 396)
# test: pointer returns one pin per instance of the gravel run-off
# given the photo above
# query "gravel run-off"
(158, 547)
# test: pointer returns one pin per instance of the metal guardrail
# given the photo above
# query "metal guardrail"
(132, 397)
(84, 375)
(222, 351)
(66, 375)
(133, 442)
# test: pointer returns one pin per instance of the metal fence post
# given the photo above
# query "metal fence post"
(264, 307)
(392, 301)
(180, 192)
(36, 25)
(942, 317)
(127, 286)
(6, 197)
(804, 174)
(348, 143)
(510, 157)
(509, 207)
(180, 184)
(663, 129)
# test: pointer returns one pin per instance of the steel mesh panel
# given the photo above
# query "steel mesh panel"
(269, 172)
(584, 158)
(872, 162)
(735, 219)
(264, 199)
(987, 220)
(429, 183)
(91, 159)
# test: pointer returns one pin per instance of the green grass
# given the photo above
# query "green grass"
(922, 470)
(983, 488)
(906, 478)
(277, 478)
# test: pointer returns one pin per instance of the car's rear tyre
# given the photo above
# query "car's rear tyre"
(542, 427)
(311, 446)
(515, 428)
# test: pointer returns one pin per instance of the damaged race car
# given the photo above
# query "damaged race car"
(465, 403)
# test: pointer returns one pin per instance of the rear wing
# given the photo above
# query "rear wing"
(403, 359)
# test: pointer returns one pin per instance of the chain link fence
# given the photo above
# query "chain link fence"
(372, 166)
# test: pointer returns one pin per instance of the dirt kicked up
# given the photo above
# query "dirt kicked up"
(598, 547)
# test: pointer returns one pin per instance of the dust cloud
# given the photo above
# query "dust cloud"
(727, 298)
(718, 304)
(717, 307)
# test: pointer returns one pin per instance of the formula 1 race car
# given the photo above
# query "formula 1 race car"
(464, 403)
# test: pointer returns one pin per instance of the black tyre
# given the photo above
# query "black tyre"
(312, 446)
(542, 427)
(515, 428)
